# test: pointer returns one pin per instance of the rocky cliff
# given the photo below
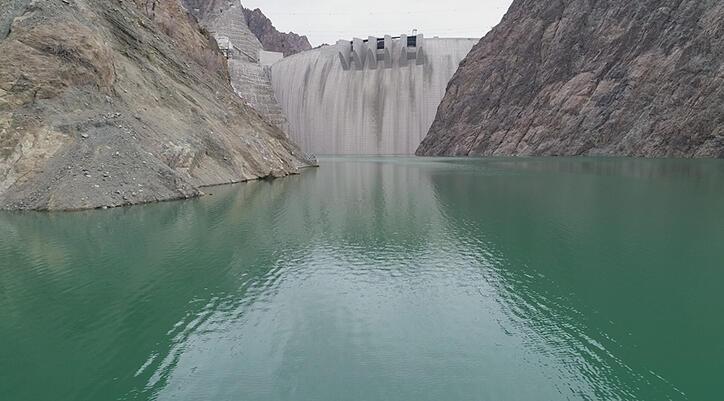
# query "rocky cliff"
(273, 40)
(109, 103)
(582, 77)
(225, 20)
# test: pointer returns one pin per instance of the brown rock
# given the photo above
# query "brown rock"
(575, 77)
(273, 40)
(79, 88)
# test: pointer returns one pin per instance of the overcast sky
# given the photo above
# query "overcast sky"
(326, 21)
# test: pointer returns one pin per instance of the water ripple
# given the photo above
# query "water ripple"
(375, 278)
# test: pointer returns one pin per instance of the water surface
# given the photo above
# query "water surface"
(379, 279)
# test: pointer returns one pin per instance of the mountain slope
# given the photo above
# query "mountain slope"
(273, 40)
(114, 103)
(585, 77)
(225, 20)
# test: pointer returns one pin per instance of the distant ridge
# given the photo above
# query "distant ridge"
(273, 40)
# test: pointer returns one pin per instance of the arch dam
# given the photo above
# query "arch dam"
(377, 96)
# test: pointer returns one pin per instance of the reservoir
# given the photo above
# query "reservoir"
(399, 279)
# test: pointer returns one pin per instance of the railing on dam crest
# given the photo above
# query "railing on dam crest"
(387, 52)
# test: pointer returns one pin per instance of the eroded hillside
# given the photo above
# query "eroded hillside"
(273, 40)
(109, 103)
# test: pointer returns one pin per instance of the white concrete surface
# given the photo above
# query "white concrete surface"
(267, 58)
(384, 110)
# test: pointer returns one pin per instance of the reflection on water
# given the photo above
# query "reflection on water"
(384, 278)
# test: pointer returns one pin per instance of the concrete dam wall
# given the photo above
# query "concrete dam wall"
(366, 97)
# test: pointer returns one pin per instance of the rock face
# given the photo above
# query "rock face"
(115, 103)
(273, 40)
(581, 77)
(225, 20)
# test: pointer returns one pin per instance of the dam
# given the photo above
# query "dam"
(374, 96)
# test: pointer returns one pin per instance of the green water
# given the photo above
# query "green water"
(380, 279)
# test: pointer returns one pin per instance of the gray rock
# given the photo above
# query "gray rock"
(575, 77)
(62, 76)
(226, 22)
(273, 40)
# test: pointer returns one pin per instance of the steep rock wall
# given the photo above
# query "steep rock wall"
(225, 20)
(273, 40)
(366, 111)
(105, 104)
(582, 77)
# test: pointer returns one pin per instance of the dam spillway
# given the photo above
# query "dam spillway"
(367, 97)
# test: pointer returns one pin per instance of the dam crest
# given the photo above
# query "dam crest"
(384, 52)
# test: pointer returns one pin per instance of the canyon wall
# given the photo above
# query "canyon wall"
(105, 104)
(338, 100)
(271, 39)
(581, 77)
(226, 21)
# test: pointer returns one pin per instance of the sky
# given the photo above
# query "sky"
(326, 21)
